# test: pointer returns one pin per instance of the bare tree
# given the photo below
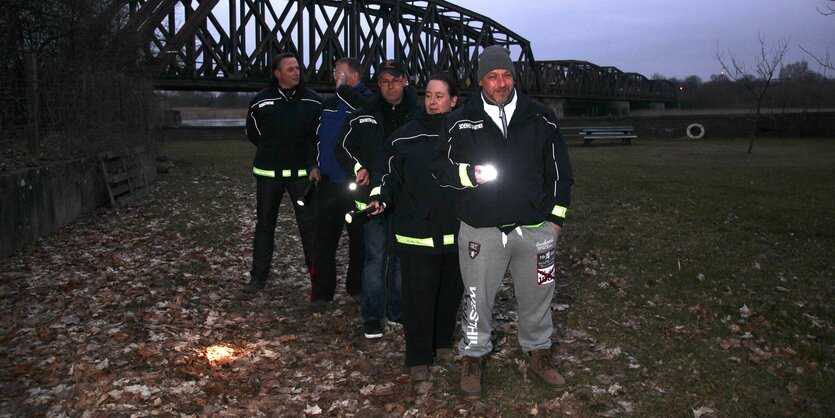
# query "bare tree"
(825, 61)
(766, 63)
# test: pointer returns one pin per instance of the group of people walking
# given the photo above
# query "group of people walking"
(454, 196)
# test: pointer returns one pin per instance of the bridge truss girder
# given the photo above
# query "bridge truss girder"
(229, 44)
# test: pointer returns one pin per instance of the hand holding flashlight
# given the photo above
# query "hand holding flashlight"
(349, 217)
(485, 173)
(308, 192)
(363, 178)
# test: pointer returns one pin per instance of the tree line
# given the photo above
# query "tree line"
(797, 87)
(89, 87)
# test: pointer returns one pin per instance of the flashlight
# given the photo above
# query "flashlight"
(306, 195)
(349, 217)
(488, 172)
(352, 186)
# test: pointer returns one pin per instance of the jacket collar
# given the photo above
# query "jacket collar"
(474, 107)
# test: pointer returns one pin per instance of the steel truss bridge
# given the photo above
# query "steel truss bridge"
(228, 45)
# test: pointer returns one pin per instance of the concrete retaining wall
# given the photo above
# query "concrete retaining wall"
(36, 201)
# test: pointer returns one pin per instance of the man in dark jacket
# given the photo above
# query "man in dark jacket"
(333, 198)
(281, 122)
(361, 146)
(505, 153)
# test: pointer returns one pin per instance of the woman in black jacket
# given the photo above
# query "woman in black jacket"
(425, 228)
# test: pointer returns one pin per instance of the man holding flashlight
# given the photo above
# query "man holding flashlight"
(333, 197)
(506, 155)
(361, 147)
(281, 123)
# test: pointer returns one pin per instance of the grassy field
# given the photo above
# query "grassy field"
(711, 270)
(696, 280)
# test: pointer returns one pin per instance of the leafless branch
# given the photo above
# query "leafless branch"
(828, 11)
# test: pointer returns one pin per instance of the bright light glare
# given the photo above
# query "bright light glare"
(488, 172)
(352, 186)
(220, 354)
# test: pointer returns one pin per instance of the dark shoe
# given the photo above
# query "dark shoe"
(373, 330)
(471, 377)
(444, 354)
(254, 286)
(419, 373)
(542, 366)
(319, 306)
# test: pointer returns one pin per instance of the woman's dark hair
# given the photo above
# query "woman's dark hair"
(452, 88)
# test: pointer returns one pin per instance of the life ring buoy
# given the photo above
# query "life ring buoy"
(698, 127)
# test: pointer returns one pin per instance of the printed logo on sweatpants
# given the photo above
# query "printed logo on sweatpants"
(474, 249)
(470, 317)
(545, 267)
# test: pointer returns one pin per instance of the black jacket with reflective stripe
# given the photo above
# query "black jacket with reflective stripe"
(534, 171)
(422, 209)
(284, 128)
(364, 136)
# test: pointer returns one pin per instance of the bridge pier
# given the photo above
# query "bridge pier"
(619, 108)
(557, 105)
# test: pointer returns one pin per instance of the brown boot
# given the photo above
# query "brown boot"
(471, 377)
(543, 367)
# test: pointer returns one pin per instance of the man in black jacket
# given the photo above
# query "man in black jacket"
(505, 153)
(281, 122)
(361, 147)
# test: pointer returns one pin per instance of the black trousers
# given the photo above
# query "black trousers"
(269, 193)
(432, 291)
(333, 201)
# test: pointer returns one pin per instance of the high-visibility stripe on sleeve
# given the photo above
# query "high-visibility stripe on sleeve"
(357, 168)
(375, 191)
(421, 242)
(263, 173)
(302, 173)
(360, 205)
(462, 175)
(286, 173)
(449, 239)
(559, 211)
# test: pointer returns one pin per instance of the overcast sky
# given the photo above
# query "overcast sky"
(673, 38)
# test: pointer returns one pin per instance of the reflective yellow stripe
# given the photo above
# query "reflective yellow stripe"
(286, 173)
(360, 205)
(302, 173)
(375, 191)
(526, 226)
(462, 175)
(449, 239)
(559, 211)
(422, 242)
(263, 173)
(357, 168)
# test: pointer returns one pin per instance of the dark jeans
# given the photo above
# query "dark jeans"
(268, 195)
(432, 290)
(333, 201)
(381, 272)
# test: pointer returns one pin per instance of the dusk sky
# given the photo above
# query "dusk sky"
(673, 38)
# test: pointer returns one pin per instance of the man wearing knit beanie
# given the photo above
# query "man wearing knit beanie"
(507, 156)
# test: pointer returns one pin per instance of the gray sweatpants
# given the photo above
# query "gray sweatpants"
(531, 254)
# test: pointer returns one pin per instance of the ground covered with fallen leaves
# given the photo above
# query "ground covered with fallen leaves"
(136, 311)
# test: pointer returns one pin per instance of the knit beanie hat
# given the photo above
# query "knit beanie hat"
(495, 58)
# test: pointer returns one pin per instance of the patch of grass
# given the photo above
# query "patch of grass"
(714, 271)
(697, 275)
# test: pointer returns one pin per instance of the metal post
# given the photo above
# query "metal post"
(33, 131)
